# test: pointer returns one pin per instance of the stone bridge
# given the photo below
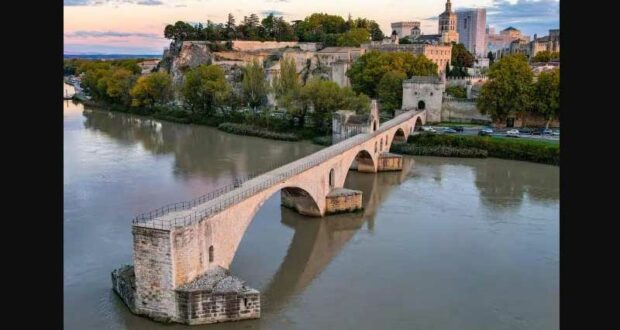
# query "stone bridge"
(179, 252)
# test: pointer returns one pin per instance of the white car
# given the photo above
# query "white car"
(428, 129)
(513, 132)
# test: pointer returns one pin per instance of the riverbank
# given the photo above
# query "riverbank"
(544, 152)
(233, 124)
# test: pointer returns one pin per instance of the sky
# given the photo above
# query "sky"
(136, 26)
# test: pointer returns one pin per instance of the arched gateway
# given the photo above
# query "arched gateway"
(181, 254)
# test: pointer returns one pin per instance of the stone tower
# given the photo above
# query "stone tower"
(447, 25)
(394, 37)
(415, 32)
(423, 93)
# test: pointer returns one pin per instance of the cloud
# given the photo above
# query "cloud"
(102, 2)
(113, 34)
(150, 2)
(526, 15)
(277, 0)
(111, 49)
(272, 11)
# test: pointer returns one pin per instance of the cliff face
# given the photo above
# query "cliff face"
(189, 55)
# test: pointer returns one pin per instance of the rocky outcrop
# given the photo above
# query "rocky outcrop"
(190, 55)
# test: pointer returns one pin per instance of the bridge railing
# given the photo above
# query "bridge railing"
(269, 179)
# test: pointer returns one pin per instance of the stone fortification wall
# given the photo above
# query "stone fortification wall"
(245, 45)
(462, 81)
(464, 111)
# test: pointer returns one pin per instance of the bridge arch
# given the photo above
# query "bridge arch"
(417, 124)
(363, 161)
(400, 135)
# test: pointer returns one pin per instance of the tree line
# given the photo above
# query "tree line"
(331, 30)
(207, 95)
(513, 91)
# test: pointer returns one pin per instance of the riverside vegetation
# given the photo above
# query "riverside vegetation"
(480, 147)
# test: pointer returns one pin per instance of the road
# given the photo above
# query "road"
(473, 130)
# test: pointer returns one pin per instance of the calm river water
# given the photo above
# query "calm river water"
(446, 244)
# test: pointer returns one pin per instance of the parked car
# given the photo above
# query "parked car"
(547, 132)
(449, 131)
(457, 128)
(513, 133)
(556, 133)
(526, 130)
(485, 131)
(428, 129)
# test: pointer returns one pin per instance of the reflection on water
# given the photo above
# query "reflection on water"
(446, 243)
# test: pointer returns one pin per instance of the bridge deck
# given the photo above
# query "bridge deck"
(188, 215)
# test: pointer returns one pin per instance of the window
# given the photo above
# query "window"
(331, 178)
(381, 145)
(211, 253)
(375, 146)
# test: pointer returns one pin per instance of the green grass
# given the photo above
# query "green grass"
(526, 140)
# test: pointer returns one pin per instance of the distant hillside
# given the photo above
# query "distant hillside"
(110, 56)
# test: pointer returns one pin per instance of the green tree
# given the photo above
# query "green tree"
(368, 69)
(457, 91)
(230, 29)
(204, 88)
(461, 57)
(375, 31)
(152, 89)
(546, 95)
(508, 90)
(545, 56)
(325, 97)
(254, 84)
(119, 85)
(354, 37)
(288, 81)
(491, 58)
(390, 91)
(404, 41)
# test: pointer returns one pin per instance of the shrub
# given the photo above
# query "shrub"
(322, 140)
(243, 129)
(528, 150)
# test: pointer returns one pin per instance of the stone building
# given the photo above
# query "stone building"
(403, 29)
(498, 42)
(346, 123)
(339, 60)
(549, 43)
(439, 54)
(471, 29)
(423, 93)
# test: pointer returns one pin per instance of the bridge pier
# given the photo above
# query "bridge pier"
(341, 200)
(390, 162)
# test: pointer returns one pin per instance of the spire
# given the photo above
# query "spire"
(448, 6)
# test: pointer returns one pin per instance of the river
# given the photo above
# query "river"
(445, 244)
